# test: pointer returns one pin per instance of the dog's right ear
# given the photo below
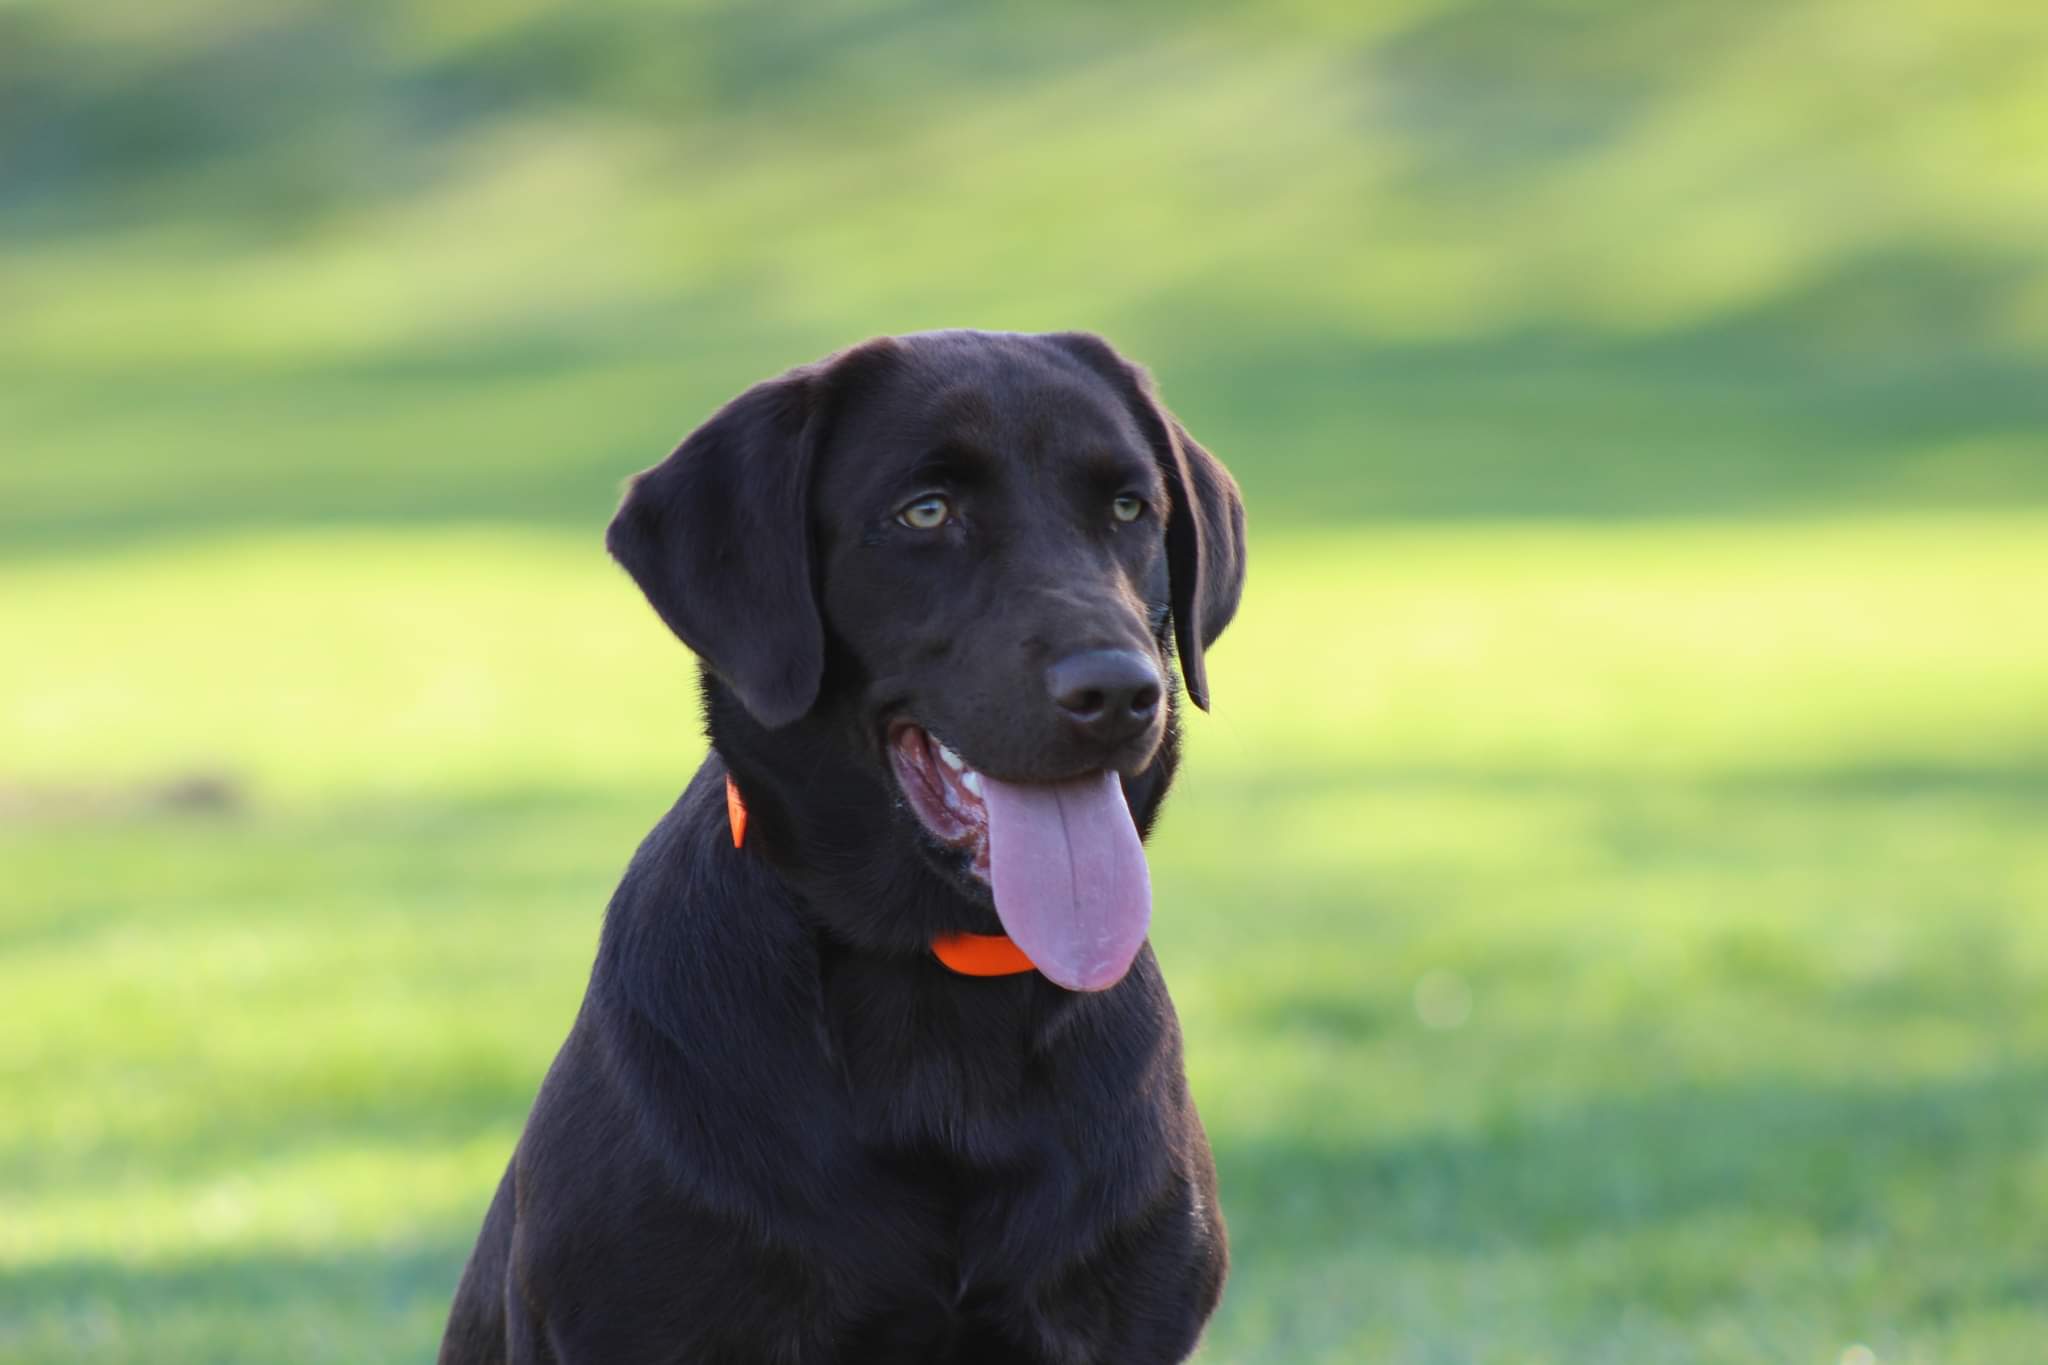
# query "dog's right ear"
(1205, 525)
(717, 536)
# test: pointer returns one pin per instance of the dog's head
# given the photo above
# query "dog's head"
(968, 559)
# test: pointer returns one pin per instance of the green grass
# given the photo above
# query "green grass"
(334, 262)
(1594, 943)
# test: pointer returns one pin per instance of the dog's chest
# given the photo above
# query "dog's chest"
(926, 1080)
(1005, 1132)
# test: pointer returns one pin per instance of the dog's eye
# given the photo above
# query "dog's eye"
(1127, 507)
(926, 514)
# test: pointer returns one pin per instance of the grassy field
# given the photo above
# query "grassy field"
(1609, 904)
(335, 262)
(1594, 944)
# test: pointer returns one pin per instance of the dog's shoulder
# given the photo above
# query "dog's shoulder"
(702, 1016)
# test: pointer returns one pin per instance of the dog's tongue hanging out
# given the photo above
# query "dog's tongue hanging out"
(1069, 876)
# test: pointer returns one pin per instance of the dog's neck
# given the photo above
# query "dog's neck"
(963, 953)
(824, 815)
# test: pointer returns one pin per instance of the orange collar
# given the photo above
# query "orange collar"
(967, 954)
(981, 954)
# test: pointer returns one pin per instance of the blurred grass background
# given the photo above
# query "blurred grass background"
(1606, 907)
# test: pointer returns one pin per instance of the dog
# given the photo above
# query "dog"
(875, 1064)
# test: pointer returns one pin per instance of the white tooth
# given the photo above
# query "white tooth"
(971, 780)
(949, 758)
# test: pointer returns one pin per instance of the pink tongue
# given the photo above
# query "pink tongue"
(1070, 880)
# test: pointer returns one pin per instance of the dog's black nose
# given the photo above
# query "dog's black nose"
(1110, 694)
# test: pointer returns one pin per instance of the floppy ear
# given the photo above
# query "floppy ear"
(1205, 525)
(717, 536)
(1204, 552)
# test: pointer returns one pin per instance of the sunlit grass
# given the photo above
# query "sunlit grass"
(490, 661)
(1721, 839)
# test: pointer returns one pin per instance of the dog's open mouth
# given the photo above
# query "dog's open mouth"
(1062, 859)
(945, 794)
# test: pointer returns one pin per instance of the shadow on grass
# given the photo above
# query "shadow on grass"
(1750, 415)
(1924, 1169)
(368, 1304)
(1950, 1156)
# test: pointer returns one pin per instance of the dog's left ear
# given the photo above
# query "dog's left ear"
(718, 536)
(1204, 527)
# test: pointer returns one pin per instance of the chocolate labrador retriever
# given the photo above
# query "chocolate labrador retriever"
(875, 1063)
